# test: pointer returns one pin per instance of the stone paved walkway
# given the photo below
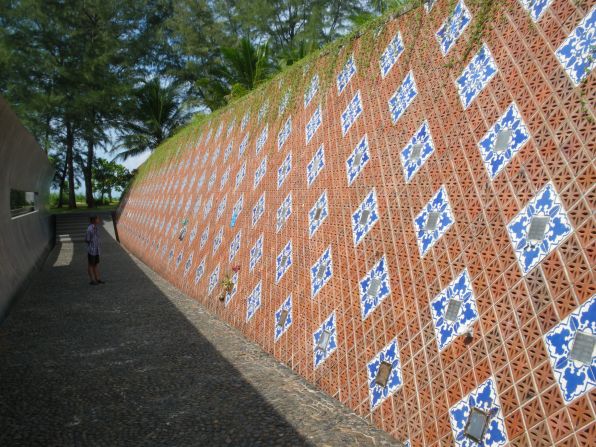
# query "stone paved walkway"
(135, 362)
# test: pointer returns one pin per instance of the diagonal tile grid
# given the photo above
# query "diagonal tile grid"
(441, 230)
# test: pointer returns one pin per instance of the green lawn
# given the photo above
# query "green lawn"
(82, 207)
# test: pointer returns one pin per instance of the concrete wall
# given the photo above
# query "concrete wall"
(530, 72)
(24, 240)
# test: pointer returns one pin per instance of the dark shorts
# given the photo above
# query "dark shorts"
(93, 259)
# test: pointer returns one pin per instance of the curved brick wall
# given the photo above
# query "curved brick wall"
(428, 212)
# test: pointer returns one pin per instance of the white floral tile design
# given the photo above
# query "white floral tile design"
(402, 98)
(433, 221)
(476, 76)
(577, 53)
(417, 151)
(365, 217)
(351, 113)
(283, 261)
(313, 124)
(346, 74)
(324, 340)
(315, 166)
(453, 27)
(388, 357)
(284, 170)
(283, 212)
(256, 253)
(321, 272)
(253, 302)
(391, 54)
(317, 214)
(283, 318)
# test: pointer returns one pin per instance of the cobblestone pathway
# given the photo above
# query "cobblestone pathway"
(135, 362)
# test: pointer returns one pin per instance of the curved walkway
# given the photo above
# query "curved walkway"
(136, 362)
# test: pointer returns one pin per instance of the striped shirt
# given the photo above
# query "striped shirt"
(92, 239)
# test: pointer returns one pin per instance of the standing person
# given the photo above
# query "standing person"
(92, 239)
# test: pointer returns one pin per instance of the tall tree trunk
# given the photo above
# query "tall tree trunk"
(72, 202)
(61, 187)
(88, 172)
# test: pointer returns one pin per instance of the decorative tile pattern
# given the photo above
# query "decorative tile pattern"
(284, 133)
(428, 5)
(256, 253)
(230, 295)
(228, 152)
(240, 175)
(204, 236)
(345, 75)
(262, 139)
(208, 206)
(285, 100)
(315, 166)
(200, 271)
(374, 288)
(217, 240)
(503, 140)
(284, 170)
(321, 272)
(283, 212)
(224, 178)
(283, 261)
(351, 113)
(263, 111)
(236, 210)
(535, 7)
(221, 207)
(546, 211)
(458, 298)
(577, 53)
(365, 216)
(283, 318)
(357, 160)
(453, 27)
(253, 302)
(213, 280)
(417, 151)
(478, 73)
(317, 214)
(260, 172)
(313, 124)
(486, 399)
(391, 54)
(244, 121)
(312, 90)
(324, 340)
(390, 356)
(575, 376)
(258, 209)
(402, 98)
(433, 221)
(235, 245)
(188, 264)
(243, 145)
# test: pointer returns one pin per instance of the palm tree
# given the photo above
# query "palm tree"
(156, 112)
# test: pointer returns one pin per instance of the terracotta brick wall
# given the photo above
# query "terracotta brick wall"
(454, 242)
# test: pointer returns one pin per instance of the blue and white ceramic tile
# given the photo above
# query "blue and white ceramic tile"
(208, 206)
(535, 7)
(477, 74)
(208, 138)
(284, 211)
(253, 303)
(213, 280)
(258, 209)
(256, 252)
(495, 161)
(217, 240)
(370, 299)
(283, 105)
(260, 172)
(230, 128)
(240, 175)
(204, 236)
(236, 210)
(279, 328)
(438, 204)
(284, 170)
(377, 393)
(188, 264)
(357, 160)
(346, 73)
(221, 207)
(574, 377)
(243, 145)
(215, 155)
(351, 113)
(428, 5)
(235, 245)
(179, 258)
(262, 111)
(412, 165)
(284, 133)
(314, 221)
(391, 54)
(403, 97)
(320, 355)
(230, 295)
(205, 158)
(312, 90)
(219, 130)
(283, 261)
(244, 121)
(224, 178)
(262, 139)
(577, 53)
(547, 204)
(315, 166)
(200, 271)
(453, 27)
(313, 124)
(369, 206)
(446, 330)
(325, 265)
(485, 398)
(228, 152)
(193, 235)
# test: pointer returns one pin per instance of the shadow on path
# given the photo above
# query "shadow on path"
(119, 364)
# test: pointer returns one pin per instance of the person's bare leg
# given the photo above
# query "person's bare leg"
(90, 270)
(96, 272)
